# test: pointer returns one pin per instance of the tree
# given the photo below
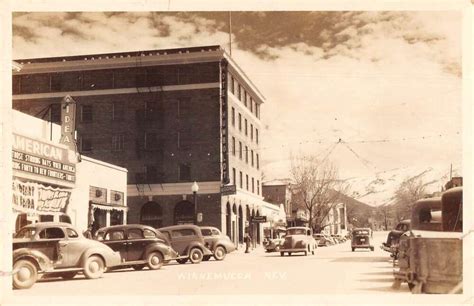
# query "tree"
(317, 187)
(409, 191)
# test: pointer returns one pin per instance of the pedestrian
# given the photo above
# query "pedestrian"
(247, 243)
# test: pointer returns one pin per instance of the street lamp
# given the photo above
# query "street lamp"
(195, 189)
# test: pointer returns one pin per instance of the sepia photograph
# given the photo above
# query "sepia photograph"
(208, 153)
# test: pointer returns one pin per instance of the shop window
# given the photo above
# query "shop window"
(86, 113)
(184, 172)
(117, 142)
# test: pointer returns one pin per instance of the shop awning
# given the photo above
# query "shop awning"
(108, 206)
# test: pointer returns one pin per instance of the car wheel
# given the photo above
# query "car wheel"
(182, 260)
(195, 255)
(154, 260)
(138, 267)
(277, 248)
(314, 249)
(289, 253)
(206, 258)
(353, 249)
(26, 274)
(282, 253)
(305, 253)
(372, 249)
(68, 275)
(94, 267)
(219, 253)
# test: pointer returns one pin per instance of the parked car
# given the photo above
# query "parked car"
(361, 239)
(57, 248)
(298, 239)
(431, 254)
(323, 239)
(219, 244)
(138, 245)
(188, 241)
(273, 245)
(393, 238)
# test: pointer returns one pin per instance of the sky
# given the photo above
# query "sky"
(369, 91)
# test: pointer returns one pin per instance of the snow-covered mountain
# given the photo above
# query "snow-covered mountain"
(380, 189)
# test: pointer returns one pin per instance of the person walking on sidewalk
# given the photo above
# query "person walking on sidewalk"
(247, 240)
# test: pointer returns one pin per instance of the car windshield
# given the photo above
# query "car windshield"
(26, 233)
(296, 231)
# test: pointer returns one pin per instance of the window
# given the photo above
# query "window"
(231, 83)
(251, 105)
(52, 233)
(240, 122)
(135, 233)
(239, 92)
(245, 97)
(233, 177)
(56, 113)
(206, 232)
(86, 113)
(251, 131)
(241, 180)
(258, 187)
(151, 141)
(118, 111)
(98, 79)
(86, 144)
(256, 136)
(148, 233)
(71, 233)
(240, 149)
(258, 162)
(182, 233)
(216, 232)
(233, 146)
(117, 142)
(115, 235)
(253, 185)
(184, 172)
(151, 110)
(246, 154)
(246, 127)
(251, 157)
(257, 110)
(151, 173)
(247, 181)
(233, 116)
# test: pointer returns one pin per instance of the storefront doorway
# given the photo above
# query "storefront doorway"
(184, 213)
(152, 214)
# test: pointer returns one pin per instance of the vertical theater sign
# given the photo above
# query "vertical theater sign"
(68, 120)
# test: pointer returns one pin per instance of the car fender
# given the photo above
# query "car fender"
(199, 245)
(95, 251)
(43, 263)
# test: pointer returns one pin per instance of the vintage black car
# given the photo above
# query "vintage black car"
(361, 239)
(393, 238)
(57, 249)
(188, 241)
(138, 245)
(219, 244)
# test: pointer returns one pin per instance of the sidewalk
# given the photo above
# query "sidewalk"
(259, 249)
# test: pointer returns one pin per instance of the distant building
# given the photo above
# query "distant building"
(278, 192)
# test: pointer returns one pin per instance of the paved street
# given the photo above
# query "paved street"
(333, 270)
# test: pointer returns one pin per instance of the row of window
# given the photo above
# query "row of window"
(245, 126)
(254, 157)
(249, 182)
(242, 94)
(116, 78)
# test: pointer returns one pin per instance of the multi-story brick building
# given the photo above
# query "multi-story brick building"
(171, 117)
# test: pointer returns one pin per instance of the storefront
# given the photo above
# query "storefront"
(51, 183)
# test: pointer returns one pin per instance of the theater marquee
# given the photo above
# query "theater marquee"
(43, 161)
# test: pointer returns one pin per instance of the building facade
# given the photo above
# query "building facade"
(171, 117)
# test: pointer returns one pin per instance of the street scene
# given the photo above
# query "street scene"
(186, 153)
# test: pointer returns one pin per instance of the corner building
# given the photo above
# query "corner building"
(171, 117)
